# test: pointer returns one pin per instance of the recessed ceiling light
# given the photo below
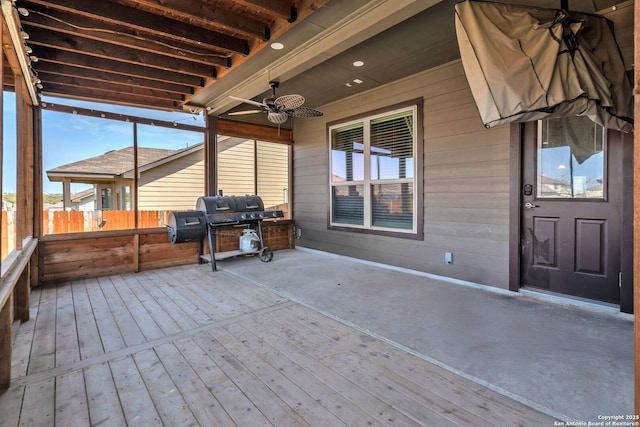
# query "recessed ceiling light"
(358, 63)
(277, 46)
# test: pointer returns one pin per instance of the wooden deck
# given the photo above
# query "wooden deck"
(184, 347)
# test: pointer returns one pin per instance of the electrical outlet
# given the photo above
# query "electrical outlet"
(298, 233)
(448, 258)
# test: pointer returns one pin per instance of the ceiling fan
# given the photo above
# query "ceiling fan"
(278, 109)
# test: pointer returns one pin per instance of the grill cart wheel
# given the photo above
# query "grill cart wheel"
(266, 254)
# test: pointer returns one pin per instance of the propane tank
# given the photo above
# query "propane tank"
(249, 241)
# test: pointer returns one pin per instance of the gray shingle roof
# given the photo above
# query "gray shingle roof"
(115, 162)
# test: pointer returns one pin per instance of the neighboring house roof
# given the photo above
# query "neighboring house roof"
(78, 198)
(116, 163)
(82, 195)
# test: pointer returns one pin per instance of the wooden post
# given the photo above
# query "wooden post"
(134, 190)
(38, 207)
(636, 209)
(211, 156)
(22, 295)
(6, 319)
(136, 253)
(25, 164)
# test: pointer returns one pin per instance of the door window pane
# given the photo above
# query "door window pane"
(571, 157)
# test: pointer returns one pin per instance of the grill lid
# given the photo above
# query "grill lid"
(229, 204)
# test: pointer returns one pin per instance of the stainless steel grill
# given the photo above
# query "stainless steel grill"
(213, 212)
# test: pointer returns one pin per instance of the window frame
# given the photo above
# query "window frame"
(417, 230)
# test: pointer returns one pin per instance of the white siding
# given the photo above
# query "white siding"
(236, 170)
(174, 185)
(240, 160)
(466, 182)
(273, 173)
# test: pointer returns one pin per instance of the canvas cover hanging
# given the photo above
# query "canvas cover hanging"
(525, 64)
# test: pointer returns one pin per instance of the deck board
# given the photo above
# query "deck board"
(89, 342)
(67, 349)
(186, 346)
(102, 396)
(107, 327)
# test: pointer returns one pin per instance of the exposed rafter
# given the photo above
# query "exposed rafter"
(152, 53)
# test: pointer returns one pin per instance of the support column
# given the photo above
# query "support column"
(22, 295)
(66, 194)
(211, 157)
(6, 319)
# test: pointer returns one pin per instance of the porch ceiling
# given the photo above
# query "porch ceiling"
(149, 53)
(190, 54)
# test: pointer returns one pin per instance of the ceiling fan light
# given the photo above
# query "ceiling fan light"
(277, 117)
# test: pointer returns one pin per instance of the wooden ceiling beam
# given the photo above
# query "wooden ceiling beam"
(101, 64)
(52, 80)
(170, 50)
(145, 23)
(106, 50)
(279, 9)
(116, 78)
(90, 94)
(204, 15)
(69, 109)
(60, 21)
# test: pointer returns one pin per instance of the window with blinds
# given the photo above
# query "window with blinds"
(372, 172)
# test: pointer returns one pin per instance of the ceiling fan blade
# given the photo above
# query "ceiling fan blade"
(248, 101)
(289, 102)
(240, 113)
(304, 112)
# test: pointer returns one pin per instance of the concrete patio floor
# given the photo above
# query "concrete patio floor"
(572, 360)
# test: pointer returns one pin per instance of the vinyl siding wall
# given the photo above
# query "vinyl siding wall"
(466, 183)
(273, 173)
(237, 170)
(174, 185)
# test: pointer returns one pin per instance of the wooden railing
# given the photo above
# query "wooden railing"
(61, 222)
(71, 256)
(15, 293)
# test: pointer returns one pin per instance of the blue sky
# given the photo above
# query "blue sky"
(68, 137)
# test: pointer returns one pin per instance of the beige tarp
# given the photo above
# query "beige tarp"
(525, 64)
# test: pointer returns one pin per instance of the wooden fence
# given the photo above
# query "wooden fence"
(57, 222)
(8, 232)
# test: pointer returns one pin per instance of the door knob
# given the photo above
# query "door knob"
(530, 205)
